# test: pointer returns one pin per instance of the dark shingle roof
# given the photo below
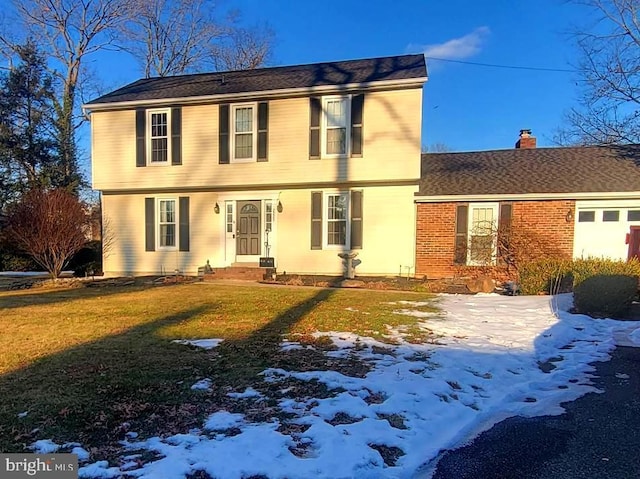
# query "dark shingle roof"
(278, 78)
(539, 170)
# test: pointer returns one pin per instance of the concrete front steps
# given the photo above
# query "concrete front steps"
(243, 271)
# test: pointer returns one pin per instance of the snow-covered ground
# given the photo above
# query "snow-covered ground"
(495, 357)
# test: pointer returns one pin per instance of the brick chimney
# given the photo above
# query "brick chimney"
(526, 140)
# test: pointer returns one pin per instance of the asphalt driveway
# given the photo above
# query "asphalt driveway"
(597, 437)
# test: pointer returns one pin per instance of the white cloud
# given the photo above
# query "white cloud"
(456, 48)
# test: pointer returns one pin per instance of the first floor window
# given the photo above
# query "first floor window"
(167, 223)
(483, 222)
(337, 219)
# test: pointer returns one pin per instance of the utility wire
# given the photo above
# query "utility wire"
(512, 67)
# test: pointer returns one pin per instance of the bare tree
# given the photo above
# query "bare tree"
(69, 31)
(48, 225)
(244, 49)
(609, 68)
(438, 147)
(172, 37)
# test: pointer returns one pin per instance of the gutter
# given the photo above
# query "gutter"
(595, 195)
(88, 108)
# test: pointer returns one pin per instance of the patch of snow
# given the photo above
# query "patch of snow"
(290, 345)
(489, 363)
(416, 314)
(202, 385)
(200, 343)
(99, 469)
(221, 420)
(248, 393)
(83, 454)
(44, 446)
(622, 376)
(23, 414)
(635, 336)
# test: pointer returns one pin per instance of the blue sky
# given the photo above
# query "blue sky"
(466, 107)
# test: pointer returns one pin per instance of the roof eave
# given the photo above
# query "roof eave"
(282, 93)
(600, 195)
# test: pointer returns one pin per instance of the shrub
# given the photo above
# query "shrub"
(10, 261)
(560, 276)
(586, 268)
(545, 276)
(87, 261)
(605, 295)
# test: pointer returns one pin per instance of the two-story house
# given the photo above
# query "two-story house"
(297, 163)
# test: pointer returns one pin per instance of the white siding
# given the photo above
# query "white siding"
(603, 238)
(388, 233)
(391, 148)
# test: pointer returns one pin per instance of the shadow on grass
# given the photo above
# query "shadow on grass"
(10, 299)
(96, 392)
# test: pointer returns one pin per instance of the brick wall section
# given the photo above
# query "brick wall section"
(435, 232)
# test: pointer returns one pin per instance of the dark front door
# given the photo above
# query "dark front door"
(634, 242)
(248, 232)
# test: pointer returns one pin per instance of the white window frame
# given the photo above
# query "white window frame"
(494, 228)
(326, 220)
(159, 223)
(324, 126)
(254, 133)
(150, 113)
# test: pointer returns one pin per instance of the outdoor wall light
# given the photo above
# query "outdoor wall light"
(216, 208)
(569, 216)
(279, 207)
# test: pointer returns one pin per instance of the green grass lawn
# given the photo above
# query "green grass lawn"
(88, 364)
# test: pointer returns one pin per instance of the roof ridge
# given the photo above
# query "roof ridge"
(278, 67)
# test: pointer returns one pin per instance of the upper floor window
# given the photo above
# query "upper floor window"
(335, 123)
(243, 135)
(336, 126)
(159, 136)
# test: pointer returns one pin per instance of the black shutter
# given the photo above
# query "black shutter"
(149, 224)
(314, 134)
(316, 220)
(176, 132)
(183, 214)
(141, 137)
(223, 134)
(462, 217)
(357, 107)
(263, 125)
(356, 220)
(504, 232)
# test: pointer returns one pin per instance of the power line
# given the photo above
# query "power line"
(512, 67)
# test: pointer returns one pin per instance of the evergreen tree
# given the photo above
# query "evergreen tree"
(28, 147)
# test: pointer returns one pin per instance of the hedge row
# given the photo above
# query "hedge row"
(557, 276)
